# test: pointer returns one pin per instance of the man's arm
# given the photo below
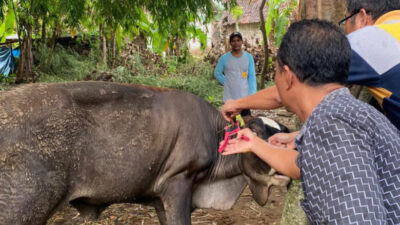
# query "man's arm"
(285, 140)
(282, 160)
(267, 98)
(218, 73)
(252, 76)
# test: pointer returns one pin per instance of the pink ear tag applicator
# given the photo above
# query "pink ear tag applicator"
(228, 134)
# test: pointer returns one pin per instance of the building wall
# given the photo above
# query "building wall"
(331, 10)
(251, 32)
(195, 45)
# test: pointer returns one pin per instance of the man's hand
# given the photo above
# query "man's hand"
(284, 140)
(230, 110)
(243, 142)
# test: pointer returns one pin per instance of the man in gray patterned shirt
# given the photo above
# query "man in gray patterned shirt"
(348, 157)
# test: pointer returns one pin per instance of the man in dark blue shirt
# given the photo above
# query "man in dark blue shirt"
(373, 27)
(348, 157)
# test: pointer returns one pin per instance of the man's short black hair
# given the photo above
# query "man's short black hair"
(317, 51)
(235, 34)
(375, 8)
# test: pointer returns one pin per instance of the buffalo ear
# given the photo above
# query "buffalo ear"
(260, 191)
(248, 118)
(218, 194)
(283, 129)
(257, 175)
(257, 126)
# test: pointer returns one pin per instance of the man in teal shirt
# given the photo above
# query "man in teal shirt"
(235, 71)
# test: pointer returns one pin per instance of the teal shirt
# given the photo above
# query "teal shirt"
(237, 75)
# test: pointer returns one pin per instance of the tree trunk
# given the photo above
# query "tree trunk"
(43, 31)
(265, 39)
(25, 68)
(104, 49)
(100, 36)
(310, 9)
(55, 35)
(36, 27)
(103, 44)
(114, 48)
(178, 47)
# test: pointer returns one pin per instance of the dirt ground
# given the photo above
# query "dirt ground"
(245, 212)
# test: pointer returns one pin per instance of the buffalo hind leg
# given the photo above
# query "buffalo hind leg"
(26, 201)
(177, 199)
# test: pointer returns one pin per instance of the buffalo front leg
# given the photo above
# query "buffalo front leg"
(177, 200)
(158, 205)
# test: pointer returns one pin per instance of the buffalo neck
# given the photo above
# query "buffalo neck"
(223, 166)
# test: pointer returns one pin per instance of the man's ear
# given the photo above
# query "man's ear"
(289, 77)
(364, 18)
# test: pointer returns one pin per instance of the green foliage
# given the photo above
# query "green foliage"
(278, 18)
(64, 65)
(6, 81)
(172, 63)
(4, 86)
(8, 24)
(195, 76)
(237, 12)
(207, 89)
(162, 22)
(135, 64)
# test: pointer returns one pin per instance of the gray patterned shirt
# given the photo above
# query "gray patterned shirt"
(349, 160)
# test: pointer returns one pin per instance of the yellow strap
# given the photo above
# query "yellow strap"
(392, 15)
(393, 29)
(379, 94)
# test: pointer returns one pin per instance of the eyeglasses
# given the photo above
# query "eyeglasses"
(342, 22)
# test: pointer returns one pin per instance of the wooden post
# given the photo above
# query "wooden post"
(319, 9)
(310, 9)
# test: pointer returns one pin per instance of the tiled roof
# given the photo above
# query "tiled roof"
(251, 12)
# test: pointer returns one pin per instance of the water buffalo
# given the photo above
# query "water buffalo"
(92, 144)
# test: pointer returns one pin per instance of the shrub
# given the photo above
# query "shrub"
(195, 76)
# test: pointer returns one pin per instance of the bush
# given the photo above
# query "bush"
(195, 76)
(63, 64)
(206, 89)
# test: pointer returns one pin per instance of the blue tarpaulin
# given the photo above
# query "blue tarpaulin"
(16, 52)
(6, 61)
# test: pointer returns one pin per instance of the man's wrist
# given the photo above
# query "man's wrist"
(238, 104)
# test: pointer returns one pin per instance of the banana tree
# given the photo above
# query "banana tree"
(278, 18)
(237, 13)
(274, 27)
(7, 25)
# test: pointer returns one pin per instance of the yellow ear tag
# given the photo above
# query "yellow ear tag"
(244, 74)
(240, 119)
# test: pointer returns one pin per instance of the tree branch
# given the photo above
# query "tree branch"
(265, 39)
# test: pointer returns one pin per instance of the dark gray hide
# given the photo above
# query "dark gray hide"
(92, 144)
